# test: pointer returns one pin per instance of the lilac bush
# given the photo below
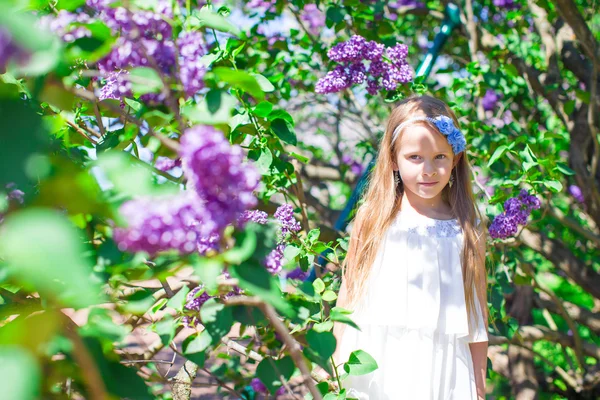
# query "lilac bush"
(576, 192)
(10, 51)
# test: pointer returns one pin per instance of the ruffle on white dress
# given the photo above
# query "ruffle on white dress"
(413, 317)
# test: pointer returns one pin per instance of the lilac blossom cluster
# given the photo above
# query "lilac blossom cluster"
(386, 69)
(490, 100)
(10, 51)
(285, 216)
(14, 195)
(516, 211)
(216, 171)
(259, 387)
(194, 302)
(165, 163)
(355, 166)
(507, 4)
(159, 224)
(265, 5)
(144, 39)
(62, 25)
(576, 192)
(287, 224)
(258, 216)
(314, 18)
(221, 188)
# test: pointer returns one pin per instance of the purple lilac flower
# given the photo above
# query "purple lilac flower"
(14, 193)
(258, 216)
(516, 211)
(489, 100)
(266, 5)
(405, 3)
(160, 224)
(217, 172)
(285, 215)
(296, 274)
(355, 166)
(576, 192)
(210, 242)
(381, 73)
(314, 18)
(166, 163)
(507, 4)
(259, 387)
(116, 86)
(195, 301)
(274, 260)
(61, 24)
(192, 69)
(10, 51)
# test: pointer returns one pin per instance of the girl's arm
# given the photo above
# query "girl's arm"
(479, 355)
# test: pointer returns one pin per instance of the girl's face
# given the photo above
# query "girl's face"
(424, 159)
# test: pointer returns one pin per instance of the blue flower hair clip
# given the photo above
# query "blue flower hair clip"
(446, 127)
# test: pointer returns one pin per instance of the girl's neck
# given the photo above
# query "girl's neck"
(435, 207)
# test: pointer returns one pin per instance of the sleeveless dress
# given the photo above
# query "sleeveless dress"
(413, 317)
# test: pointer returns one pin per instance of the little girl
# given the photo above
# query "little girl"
(415, 270)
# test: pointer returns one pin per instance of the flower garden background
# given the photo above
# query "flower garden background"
(173, 170)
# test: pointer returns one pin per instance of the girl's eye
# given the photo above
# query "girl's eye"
(413, 157)
(441, 156)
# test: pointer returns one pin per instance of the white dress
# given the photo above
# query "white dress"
(413, 317)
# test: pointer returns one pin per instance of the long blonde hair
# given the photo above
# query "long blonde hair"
(382, 201)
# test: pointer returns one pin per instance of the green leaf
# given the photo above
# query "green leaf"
(208, 270)
(69, 5)
(165, 329)
(214, 109)
(20, 374)
(101, 324)
(264, 161)
(255, 278)
(194, 347)
(216, 21)
(23, 137)
(270, 371)
(139, 302)
(313, 235)
(564, 169)
(144, 80)
(264, 83)
(323, 326)
(339, 314)
(284, 130)
(300, 158)
(241, 80)
(319, 285)
(44, 251)
(244, 249)
(263, 109)
(329, 295)
(497, 154)
(323, 343)
(217, 319)
(360, 363)
(554, 186)
(291, 252)
(178, 301)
